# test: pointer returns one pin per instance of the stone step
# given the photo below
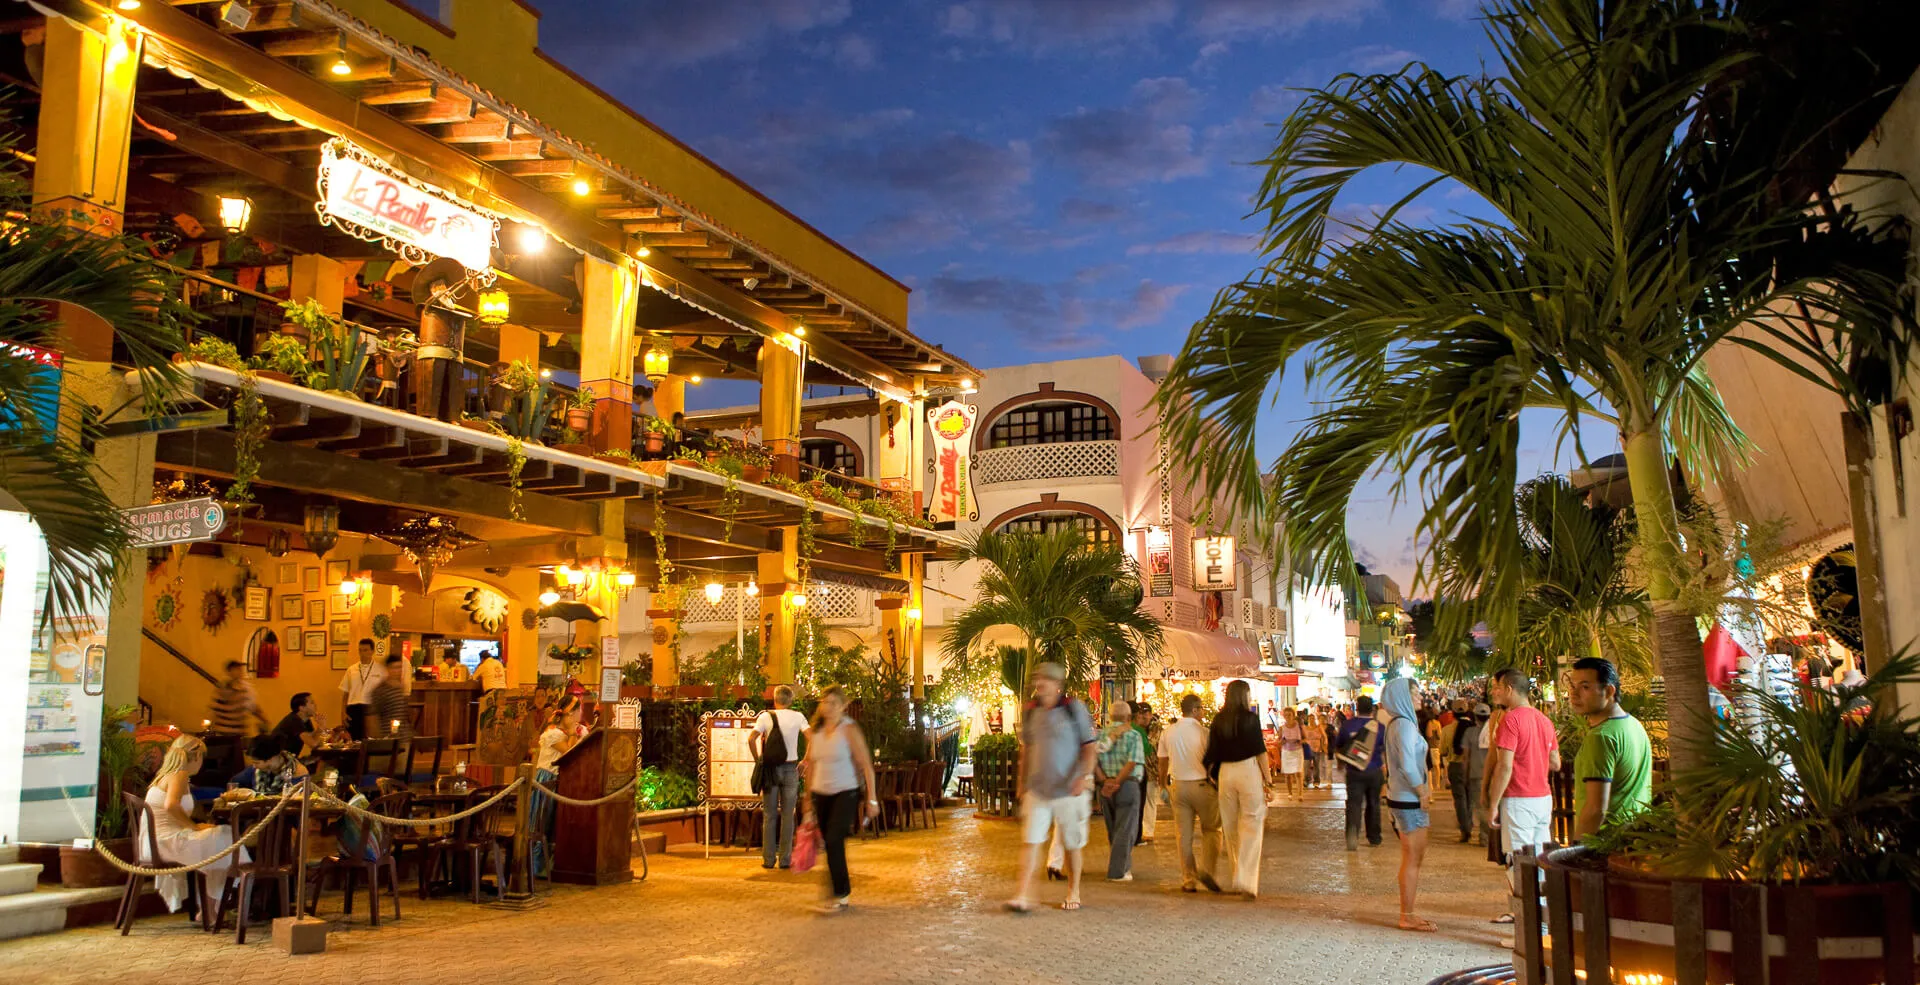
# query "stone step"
(45, 911)
(9, 853)
(17, 877)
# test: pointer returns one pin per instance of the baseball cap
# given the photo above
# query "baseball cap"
(1482, 709)
(1051, 670)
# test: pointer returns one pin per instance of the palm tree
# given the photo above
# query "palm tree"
(1077, 603)
(1580, 598)
(47, 468)
(1632, 232)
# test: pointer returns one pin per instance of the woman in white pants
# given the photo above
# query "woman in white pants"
(1237, 758)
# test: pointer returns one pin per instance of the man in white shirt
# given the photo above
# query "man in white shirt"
(490, 672)
(356, 690)
(1194, 798)
(780, 783)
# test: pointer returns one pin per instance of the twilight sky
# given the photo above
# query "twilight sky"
(1053, 178)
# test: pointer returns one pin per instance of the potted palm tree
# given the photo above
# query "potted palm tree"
(82, 868)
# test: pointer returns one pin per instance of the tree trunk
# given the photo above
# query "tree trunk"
(1675, 636)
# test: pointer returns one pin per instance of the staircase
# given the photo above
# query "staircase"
(27, 908)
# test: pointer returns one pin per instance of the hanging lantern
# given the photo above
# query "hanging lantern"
(235, 212)
(493, 307)
(279, 543)
(656, 363)
(323, 529)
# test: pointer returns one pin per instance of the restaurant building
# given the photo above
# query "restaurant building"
(458, 436)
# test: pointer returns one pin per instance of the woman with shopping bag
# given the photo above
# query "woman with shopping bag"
(840, 791)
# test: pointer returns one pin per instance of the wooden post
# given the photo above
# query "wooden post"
(1598, 927)
(1896, 939)
(1560, 924)
(1527, 963)
(519, 888)
(1747, 919)
(1689, 933)
(1858, 445)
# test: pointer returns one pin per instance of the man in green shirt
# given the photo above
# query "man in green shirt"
(1613, 772)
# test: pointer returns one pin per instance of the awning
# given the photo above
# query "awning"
(1209, 655)
(1342, 683)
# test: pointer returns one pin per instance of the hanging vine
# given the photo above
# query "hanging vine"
(250, 430)
(516, 463)
(729, 506)
(807, 548)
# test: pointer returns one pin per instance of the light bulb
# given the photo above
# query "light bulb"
(625, 579)
(349, 587)
(340, 67)
(913, 614)
(532, 240)
(577, 576)
(799, 331)
(582, 187)
(128, 5)
(643, 252)
(549, 597)
(753, 589)
(714, 591)
(799, 600)
(562, 572)
(694, 379)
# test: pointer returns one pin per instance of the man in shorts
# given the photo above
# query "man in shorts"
(1525, 751)
(1055, 772)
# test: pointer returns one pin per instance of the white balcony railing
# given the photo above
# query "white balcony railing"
(838, 605)
(1058, 460)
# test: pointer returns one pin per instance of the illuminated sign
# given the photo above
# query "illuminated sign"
(1213, 567)
(183, 522)
(1160, 562)
(364, 197)
(952, 424)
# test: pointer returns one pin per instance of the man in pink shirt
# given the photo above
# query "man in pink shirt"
(1526, 750)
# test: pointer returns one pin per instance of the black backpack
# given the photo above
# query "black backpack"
(773, 752)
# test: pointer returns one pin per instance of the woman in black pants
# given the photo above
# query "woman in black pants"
(837, 763)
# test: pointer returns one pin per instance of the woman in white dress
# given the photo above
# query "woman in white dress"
(1292, 750)
(182, 842)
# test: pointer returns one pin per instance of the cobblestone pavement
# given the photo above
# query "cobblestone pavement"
(927, 909)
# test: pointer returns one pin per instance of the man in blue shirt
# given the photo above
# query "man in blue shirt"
(1359, 748)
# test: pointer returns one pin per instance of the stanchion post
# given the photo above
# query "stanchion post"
(298, 933)
(519, 888)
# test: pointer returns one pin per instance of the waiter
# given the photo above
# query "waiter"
(356, 689)
(490, 672)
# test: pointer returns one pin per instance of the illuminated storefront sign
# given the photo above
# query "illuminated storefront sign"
(1213, 566)
(952, 424)
(1160, 562)
(363, 197)
(183, 522)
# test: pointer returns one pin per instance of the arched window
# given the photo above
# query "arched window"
(1090, 527)
(830, 455)
(1047, 423)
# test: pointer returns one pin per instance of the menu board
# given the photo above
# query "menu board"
(726, 758)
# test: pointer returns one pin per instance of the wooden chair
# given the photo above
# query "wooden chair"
(418, 750)
(378, 758)
(926, 790)
(140, 817)
(895, 797)
(391, 805)
(472, 835)
(273, 855)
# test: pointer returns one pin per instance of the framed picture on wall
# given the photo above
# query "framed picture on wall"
(257, 605)
(338, 603)
(316, 612)
(340, 630)
(291, 607)
(292, 640)
(289, 573)
(310, 579)
(314, 643)
(336, 571)
(339, 660)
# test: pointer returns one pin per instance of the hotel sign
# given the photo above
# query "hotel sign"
(1213, 567)
(952, 424)
(364, 197)
(183, 522)
(1160, 562)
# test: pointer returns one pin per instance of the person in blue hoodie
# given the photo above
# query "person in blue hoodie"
(1408, 795)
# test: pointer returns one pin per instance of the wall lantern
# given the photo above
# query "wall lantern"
(799, 600)
(235, 212)
(322, 529)
(493, 307)
(549, 597)
(753, 589)
(714, 591)
(655, 364)
(350, 587)
(913, 614)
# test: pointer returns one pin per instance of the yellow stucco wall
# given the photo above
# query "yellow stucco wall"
(494, 44)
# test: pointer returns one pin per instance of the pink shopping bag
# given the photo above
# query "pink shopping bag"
(806, 846)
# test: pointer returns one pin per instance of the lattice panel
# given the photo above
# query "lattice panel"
(700, 611)
(1059, 460)
(837, 604)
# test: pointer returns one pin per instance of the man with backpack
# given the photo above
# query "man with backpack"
(775, 744)
(1358, 748)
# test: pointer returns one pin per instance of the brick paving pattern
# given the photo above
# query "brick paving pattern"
(926, 909)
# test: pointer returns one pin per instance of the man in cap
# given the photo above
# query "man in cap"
(1057, 749)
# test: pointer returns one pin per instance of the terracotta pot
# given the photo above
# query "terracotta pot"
(753, 473)
(580, 418)
(654, 442)
(289, 328)
(473, 425)
(693, 691)
(84, 868)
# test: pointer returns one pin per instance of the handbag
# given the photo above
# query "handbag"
(773, 752)
(806, 845)
(1359, 752)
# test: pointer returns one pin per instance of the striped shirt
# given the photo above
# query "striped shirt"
(389, 706)
(233, 703)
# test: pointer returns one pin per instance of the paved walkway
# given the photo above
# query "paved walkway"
(926, 910)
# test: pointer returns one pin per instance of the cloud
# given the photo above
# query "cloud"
(783, 151)
(855, 52)
(1054, 316)
(948, 166)
(1146, 141)
(1374, 58)
(1365, 555)
(1055, 24)
(680, 33)
(1083, 212)
(1209, 52)
(1457, 10)
(1201, 241)
(1239, 18)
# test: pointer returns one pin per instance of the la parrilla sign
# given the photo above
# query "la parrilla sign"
(364, 197)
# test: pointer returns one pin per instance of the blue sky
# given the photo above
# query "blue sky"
(1053, 178)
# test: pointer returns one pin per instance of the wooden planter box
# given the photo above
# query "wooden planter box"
(995, 782)
(1700, 931)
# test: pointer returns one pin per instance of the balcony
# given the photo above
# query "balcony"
(1058, 460)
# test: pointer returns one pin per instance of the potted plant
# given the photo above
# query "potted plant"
(215, 351)
(530, 400)
(340, 348)
(580, 410)
(282, 357)
(1796, 807)
(83, 868)
(304, 319)
(682, 455)
(656, 432)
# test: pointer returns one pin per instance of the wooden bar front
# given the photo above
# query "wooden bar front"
(594, 845)
(448, 709)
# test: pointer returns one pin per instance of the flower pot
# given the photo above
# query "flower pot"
(273, 374)
(297, 331)
(580, 418)
(84, 868)
(693, 691)
(753, 473)
(473, 425)
(654, 442)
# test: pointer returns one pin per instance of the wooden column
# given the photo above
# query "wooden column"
(782, 370)
(915, 567)
(666, 670)
(323, 279)
(606, 350)
(779, 582)
(85, 123)
(518, 342)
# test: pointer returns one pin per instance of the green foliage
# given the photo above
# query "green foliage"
(250, 430)
(284, 354)
(664, 789)
(516, 464)
(661, 426)
(727, 666)
(532, 401)
(119, 763)
(1796, 793)
(216, 351)
(344, 352)
(1077, 603)
(582, 399)
(877, 688)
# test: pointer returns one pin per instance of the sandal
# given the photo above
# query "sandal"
(1017, 906)
(1418, 924)
(1072, 904)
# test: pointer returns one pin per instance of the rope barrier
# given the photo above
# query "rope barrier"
(626, 791)
(243, 840)
(418, 822)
